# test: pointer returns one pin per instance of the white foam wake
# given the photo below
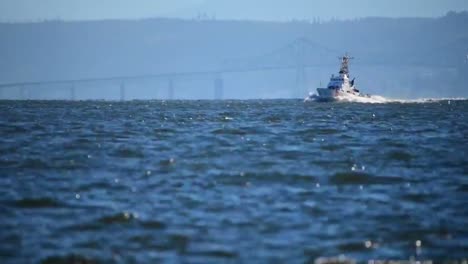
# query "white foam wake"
(431, 100)
(376, 99)
(371, 99)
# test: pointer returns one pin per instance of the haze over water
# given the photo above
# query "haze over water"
(257, 175)
(232, 181)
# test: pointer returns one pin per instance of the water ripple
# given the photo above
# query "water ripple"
(269, 181)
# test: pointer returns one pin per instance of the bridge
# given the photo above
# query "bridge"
(298, 55)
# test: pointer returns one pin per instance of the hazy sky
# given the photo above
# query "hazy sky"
(27, 10)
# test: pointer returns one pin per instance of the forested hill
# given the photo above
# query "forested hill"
(60, 50)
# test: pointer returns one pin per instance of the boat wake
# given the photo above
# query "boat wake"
(370, 99)
(431, 100)
(376, 99)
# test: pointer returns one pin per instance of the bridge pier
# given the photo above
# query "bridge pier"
(170, 90)
(72, 92)
(301, 82)
(24, 93)
(122, 91)
(218, 87)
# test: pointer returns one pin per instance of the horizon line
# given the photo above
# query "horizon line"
(312, 20)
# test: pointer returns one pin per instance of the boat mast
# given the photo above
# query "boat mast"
(345, 64)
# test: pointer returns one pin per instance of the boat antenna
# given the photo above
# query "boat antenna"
(345, 63)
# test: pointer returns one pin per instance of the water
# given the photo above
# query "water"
(267, 181)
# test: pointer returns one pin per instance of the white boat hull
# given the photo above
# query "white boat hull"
(340, 87)
(327, 95)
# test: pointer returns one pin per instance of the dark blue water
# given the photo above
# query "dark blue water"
(267, 181)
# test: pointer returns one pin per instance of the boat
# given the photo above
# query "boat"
(339, 86)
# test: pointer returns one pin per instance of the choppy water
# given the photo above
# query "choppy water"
(272, 181)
